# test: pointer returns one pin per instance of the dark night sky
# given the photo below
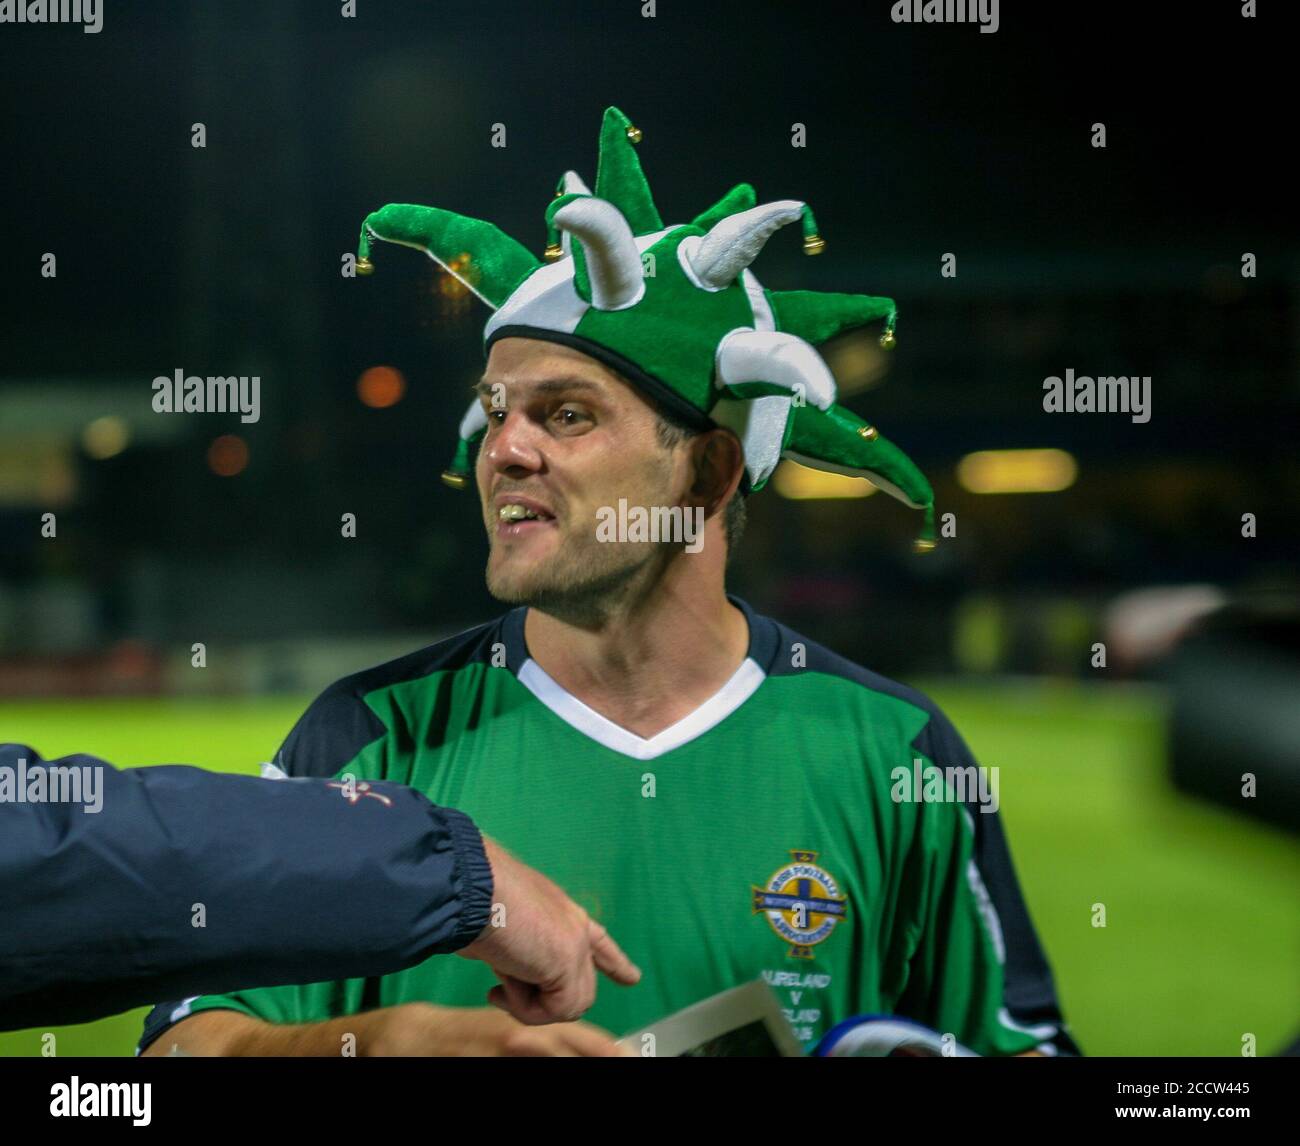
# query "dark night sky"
(919, 137)
(921, 140)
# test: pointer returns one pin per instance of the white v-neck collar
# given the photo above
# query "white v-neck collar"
(742, 685)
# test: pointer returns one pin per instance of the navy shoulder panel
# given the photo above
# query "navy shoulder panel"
(338, 724)
(939, 740)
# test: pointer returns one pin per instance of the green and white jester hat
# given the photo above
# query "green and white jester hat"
(675, 310)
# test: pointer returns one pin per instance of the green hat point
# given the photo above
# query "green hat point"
(619, 179)
(740, 198)
(676, 310)
(496, 263)
(458, 472)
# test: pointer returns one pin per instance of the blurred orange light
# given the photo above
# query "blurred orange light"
(380, 387)
(228, 455)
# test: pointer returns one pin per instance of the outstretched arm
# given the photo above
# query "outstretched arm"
(172, 881)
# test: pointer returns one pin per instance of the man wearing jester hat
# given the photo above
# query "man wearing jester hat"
(729, 798)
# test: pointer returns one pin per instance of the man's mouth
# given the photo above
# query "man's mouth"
(517, 516)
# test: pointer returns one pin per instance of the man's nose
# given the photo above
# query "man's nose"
(513, 445)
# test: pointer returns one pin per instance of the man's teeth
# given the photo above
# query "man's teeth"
(515, 512)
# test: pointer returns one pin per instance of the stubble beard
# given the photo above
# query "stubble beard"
(582, 586)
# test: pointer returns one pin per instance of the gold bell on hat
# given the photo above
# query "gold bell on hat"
(869, 432)
(924, 545)
(455, 480)
(888, 341)
(365, 266)
(554, 250)
(634, 133)
(813, 245)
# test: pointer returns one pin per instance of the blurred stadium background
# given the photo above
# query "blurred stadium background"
(1120, 784)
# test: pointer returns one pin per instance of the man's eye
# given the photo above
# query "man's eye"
(567, 416)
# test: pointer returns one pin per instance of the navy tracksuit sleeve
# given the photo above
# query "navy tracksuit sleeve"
(292, 881)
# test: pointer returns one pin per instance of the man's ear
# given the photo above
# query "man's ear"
(719, 462)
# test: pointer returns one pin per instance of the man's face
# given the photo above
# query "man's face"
(565, 437)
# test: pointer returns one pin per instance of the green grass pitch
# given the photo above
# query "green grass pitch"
(1202, 926)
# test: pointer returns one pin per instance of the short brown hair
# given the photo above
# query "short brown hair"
(672, 431)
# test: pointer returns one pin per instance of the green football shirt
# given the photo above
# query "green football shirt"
(767, 835)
